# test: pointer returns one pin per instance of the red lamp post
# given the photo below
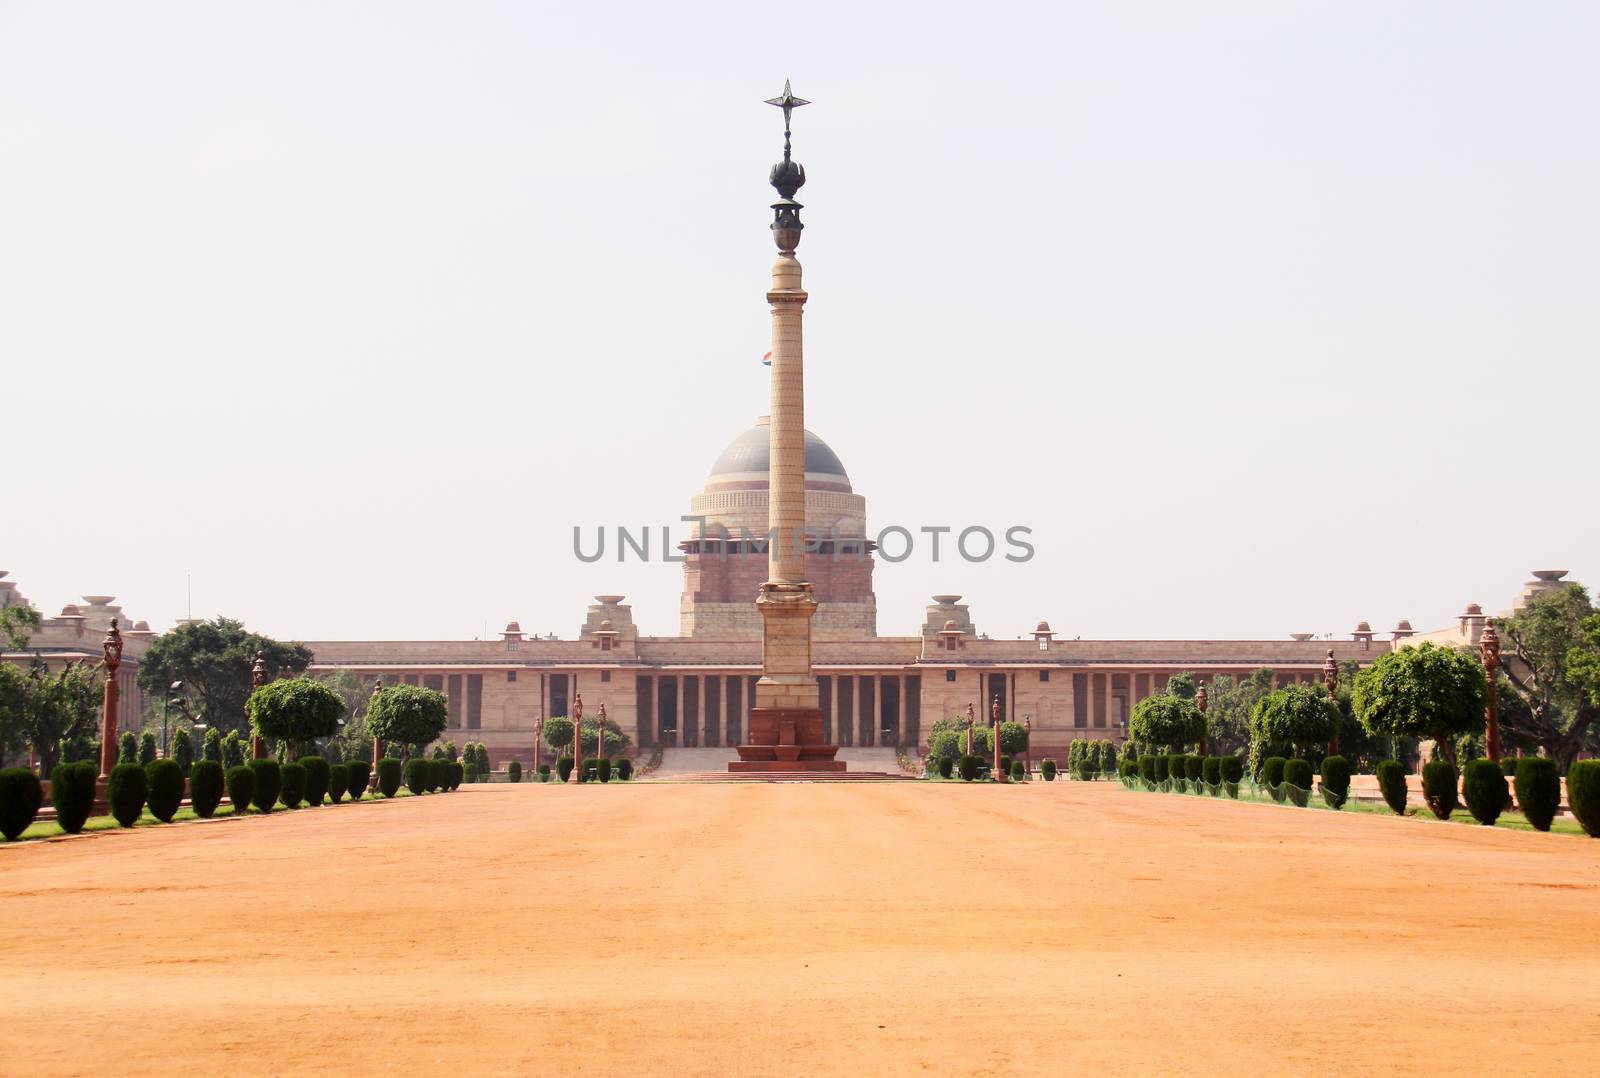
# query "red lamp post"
(112, 649)
(1330, 679)
(258, 678)
(538, 736)
(1027, 748)
(577, 741)
(994, 723)
(1489, 646)
(1202, 701)
(971, 718)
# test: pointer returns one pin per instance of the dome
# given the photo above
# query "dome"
(748, 454)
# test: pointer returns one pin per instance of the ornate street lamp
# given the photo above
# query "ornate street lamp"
(1027, 748)
(971, 718)
(994, 722)
(258, 678)
(538, 736)
(577, 741)
(1330, 680)
(1202, 700)
(112, 649)
(1489, 646)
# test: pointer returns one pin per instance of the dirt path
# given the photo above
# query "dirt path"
(746, 929)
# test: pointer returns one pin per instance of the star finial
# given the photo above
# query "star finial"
(788, 103)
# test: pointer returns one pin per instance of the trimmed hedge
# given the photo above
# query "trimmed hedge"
(1147, 767)
(164, 788)
(294, 786)
(1232, 769)
(1297, 779)
(1508, 766)
(1439, 788)
(544, 772)
(126, 793)
(72, 793)
(470, 772)
(1392, 783)
(1047, 768)
(1336, 778)
(969, 767)
(205, 787)
(417, 774)
(1484, 785)
(360, 776)
(1175, 766)
(318, 778)
(1194, 767)
(513, 771)
(1211, 770)
(338, 782)
(1019, 771)
(1272, 776)
(564, 766)
(268, 784)
(603, 768)
(388, 776)
(1161, 765)
(440, 772)
(21, 794)
(1538, 790)
(1583, 795)
(624, 769)
(241, 782)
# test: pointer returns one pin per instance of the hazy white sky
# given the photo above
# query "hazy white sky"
(1265, 316)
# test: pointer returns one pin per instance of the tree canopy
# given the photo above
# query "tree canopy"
(295, 710)
(1167, 721)
(1184, 685)
(17, 623)
(1422, 691)
(558, 735)
(1297, 716)
(213, 659)
(407, 714)
(1550, 657)
(1229, 704)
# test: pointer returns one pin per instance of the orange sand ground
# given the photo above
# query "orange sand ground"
(863, 929)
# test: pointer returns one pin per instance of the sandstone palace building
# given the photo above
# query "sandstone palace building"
(695, 689)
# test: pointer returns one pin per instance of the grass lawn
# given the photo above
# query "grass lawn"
(51, 829)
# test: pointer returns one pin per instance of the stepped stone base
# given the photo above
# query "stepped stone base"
(786, 740)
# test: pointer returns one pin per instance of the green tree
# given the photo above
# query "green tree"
(1229, 704)
(1185, 686)
(13, 709)
(1168, 721)
(354, 738)
(1422, 691)
(147, 748)
(213, 659)
(61, 706)
(558, 735)
(128, 748)
(183, 750)
(212, 746)
(296, 710)
(407, 715)
(17, 624)
(1297, 717)
(1551, 661)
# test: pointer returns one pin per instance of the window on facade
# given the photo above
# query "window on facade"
(1044, 643)
(1044, 675)
(511, 675)
(1364, 643)
(949, 675)
(605, 675)
(511, 645)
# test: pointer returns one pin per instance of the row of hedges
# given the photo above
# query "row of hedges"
(1088, 760)
(595, 769)
(1483, 786)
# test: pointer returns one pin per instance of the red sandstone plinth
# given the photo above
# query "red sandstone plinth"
(786, 740)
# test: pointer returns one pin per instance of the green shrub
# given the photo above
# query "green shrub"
(1392, 783)
(318, 778)
(1484, 786)
(360, 776)
(544, 772)
(241, 782)
(205, 786)
(1336, 779)
(513, 771)
(211, 746)
(946, 767)
(1232, 769)
(458, 774)
(564, 766)
(1583, 795)
(147, 747)
(1047, 768)
(164, 787)
(21, 794)
(1508, 766)
(417, 774)
(294, 785)
(389, 774)
(1439, 788)
(127, 750)
(1194, 767)
(1211, 770)
(183, 751)
(1297, 781)
(624, 769)
(338, 782)
(1162, 765)
(1175, 766)
(1019, 771)
(126, 793)
(440, 775)
(1108, 757)
(1147, 767)
(72, 793)
(470, 772)
(1538, 790)
(969, 767)
(603, 768)
(1272, 770)
(268, 784)
(233, 751)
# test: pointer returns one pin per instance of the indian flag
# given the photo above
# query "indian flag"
(766, 360)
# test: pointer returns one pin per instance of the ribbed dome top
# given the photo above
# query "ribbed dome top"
(750, 453)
